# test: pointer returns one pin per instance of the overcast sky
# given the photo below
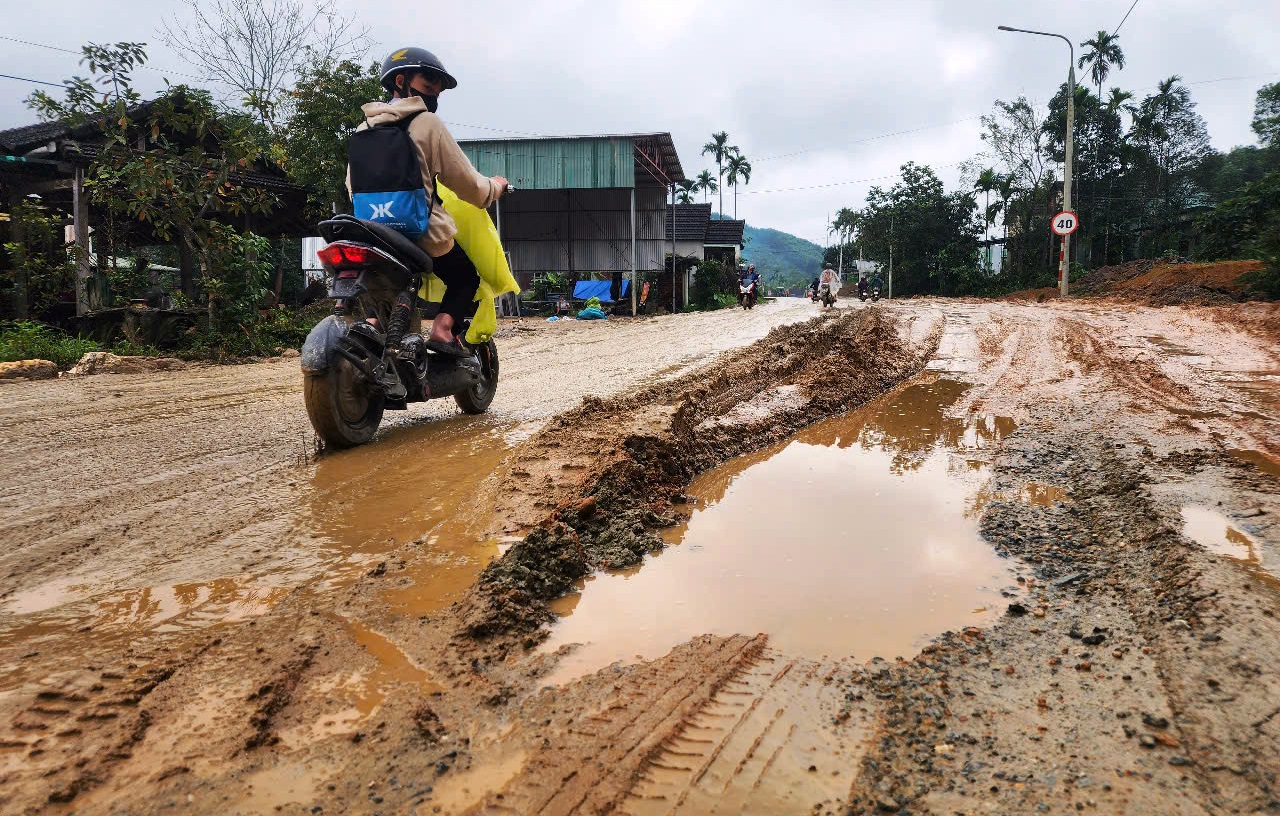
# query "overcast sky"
(810, 91)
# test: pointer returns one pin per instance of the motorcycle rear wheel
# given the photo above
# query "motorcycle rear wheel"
(344, 411)
(479, 397)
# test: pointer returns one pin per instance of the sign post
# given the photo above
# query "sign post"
(1064, 223)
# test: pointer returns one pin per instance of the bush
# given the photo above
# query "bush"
(27, 340)
(41, 259)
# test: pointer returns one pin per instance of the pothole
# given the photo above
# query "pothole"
(857, 537)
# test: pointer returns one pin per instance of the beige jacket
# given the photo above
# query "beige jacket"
(439, 156)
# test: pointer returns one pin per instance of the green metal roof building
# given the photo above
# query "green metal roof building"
(592, 207)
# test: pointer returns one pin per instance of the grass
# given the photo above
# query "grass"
(27, 340)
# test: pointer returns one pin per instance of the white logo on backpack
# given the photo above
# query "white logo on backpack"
(382, 211)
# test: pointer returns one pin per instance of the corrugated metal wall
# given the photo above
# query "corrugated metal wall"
(541, 227)
(557, 164)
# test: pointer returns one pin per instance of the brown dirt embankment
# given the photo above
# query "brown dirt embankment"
(597, 482)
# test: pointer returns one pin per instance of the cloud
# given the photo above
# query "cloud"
(809, 82)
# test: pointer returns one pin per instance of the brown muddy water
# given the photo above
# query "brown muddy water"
(857, 537)
(347, 510)
(1222, 536)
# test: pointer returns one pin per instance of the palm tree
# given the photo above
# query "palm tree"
(719, 148)
(707, 184)
(685, 190)
(739, 171)
(846, 221)
(1118, 100)
(1104, 51)
(987, 181)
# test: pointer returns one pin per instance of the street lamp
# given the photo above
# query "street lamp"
(1064, 260)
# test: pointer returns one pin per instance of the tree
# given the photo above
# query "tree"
(324, 112)
(988, 180)
(1173, 141)
(707, 184)
(1266, 115)
(685, 190)
(1104, 51)
(719, 148)
(739, 171)
(934, 234)
(172, 166)
(1118, 100)
(259, 47)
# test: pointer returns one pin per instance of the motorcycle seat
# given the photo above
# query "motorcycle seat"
(349, 228)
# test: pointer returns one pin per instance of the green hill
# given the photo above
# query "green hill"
(782, 258)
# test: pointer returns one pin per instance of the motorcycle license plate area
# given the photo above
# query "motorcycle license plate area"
(859, 536)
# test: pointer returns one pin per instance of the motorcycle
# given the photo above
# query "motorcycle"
(812, 294)
(875, 293)
(368, 356)
(747, 294)
(826, 296)
(863, 291)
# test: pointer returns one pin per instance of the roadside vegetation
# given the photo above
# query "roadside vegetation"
(1147, 185)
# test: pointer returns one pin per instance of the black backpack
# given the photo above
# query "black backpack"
(386, 179)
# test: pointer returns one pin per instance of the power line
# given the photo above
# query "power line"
(72, 51)
(29, 79)
(1126, 17)
(840, 183)
(872, 138)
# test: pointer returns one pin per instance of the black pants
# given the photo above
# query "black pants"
(460, 281)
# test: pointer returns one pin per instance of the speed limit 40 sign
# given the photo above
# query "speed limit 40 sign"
(1065, 223)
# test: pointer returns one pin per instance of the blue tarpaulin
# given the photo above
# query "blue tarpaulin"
(586, 289)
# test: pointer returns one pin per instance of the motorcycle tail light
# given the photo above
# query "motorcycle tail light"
(343, 254)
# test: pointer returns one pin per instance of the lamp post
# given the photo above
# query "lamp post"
(1064, 260)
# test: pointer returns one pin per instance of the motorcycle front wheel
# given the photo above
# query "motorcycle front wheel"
(344, 410)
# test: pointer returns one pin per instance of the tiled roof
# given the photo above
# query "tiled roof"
(725, 232)
(19, 140)
(691, 222)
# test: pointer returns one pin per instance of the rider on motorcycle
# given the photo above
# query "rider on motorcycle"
(750, 277)
(414, 79)
(862, 285)
(829, 278)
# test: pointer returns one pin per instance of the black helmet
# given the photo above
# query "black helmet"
(414, 58)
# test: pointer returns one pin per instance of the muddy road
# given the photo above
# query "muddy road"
(925, 557)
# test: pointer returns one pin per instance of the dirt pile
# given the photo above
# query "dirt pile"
(1167, 283)
(104, 362)
(611, 472)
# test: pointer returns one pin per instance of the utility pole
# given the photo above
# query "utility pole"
(1064, 259)
(890, 257)
(673, 248)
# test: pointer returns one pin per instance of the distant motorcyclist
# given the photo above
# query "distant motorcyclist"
(750, 278)
(863, 285)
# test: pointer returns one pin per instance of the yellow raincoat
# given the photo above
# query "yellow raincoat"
(479, 239)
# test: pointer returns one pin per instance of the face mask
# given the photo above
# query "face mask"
(432, 101)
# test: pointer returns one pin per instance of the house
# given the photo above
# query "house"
(698, 236)
(52, 159)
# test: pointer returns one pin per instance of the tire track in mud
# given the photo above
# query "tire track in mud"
(766, 743)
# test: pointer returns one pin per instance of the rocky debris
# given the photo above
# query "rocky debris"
(28, 370)
(104, 362)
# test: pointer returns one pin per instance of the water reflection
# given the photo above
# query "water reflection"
(1216, 533)
(858, 536)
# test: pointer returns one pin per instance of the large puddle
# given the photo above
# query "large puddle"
(418, 484)
(858, 537)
